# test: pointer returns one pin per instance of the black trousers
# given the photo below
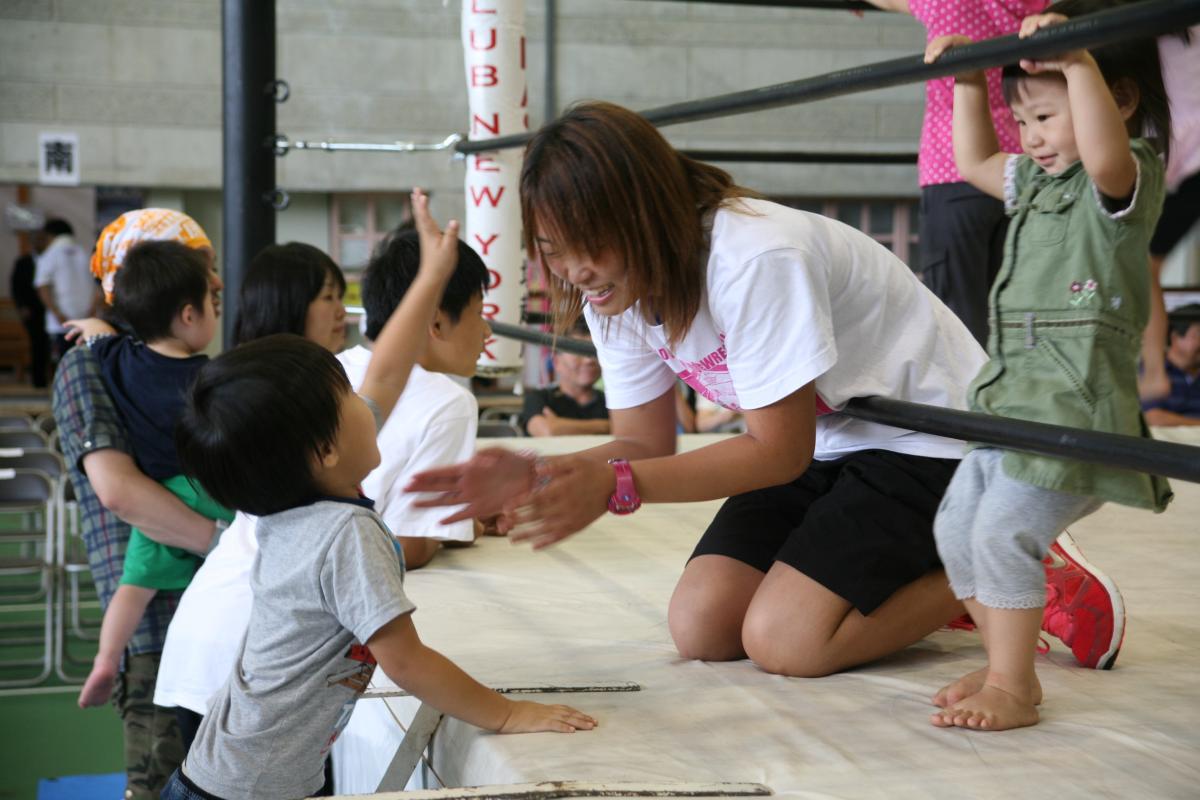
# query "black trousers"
(962, 245)
(39, 349)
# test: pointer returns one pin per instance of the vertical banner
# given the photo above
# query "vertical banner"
(493, 34)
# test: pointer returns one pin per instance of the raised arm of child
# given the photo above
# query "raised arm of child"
(435, 679)
(1098, 117)
(977, 152)
(400, 342)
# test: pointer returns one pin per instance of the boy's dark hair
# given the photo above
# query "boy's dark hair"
(155, 283)
(257, 417)
(58, 227)
(280, 283)
(1135, 60)
(393, 267)
(1181, 319)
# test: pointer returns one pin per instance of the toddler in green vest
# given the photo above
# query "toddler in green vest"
(1067, 311)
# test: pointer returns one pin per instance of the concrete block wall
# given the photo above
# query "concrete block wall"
(140, 81)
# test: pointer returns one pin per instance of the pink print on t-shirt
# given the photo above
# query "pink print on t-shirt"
(710, 377)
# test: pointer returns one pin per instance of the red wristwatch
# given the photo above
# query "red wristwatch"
(625, 498)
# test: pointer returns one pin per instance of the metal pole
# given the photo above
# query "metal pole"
(799, 157)
(550, 78)
(248, 128)
(831, 5)
(1137, 20)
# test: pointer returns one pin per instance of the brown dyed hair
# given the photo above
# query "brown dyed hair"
(601, 178)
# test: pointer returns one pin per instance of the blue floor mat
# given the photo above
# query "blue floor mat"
(83, 787)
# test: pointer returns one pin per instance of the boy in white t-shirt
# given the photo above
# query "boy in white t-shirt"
(440, 417)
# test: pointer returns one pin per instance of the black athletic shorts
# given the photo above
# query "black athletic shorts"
(861, 526)
(1180, 211)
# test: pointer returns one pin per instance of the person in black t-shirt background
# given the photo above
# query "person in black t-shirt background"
(573, 405)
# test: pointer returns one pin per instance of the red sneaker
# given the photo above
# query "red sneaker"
(963, 623)
(1083, 607)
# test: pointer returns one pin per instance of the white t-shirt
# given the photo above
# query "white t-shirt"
(64, 266)
(433, 424)
(791, 298)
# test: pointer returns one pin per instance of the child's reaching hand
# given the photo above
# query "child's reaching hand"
(529, 717)
(84, 329)
(943, 44)
(938, 47)
(1033, 24)
(439, 249)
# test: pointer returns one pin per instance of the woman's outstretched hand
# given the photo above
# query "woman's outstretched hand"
(572, 492)
(540, 501)
(492, 482)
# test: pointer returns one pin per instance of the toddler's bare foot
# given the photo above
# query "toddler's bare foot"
(971, 683)
(98, 688)
(965, 686)
(989, 709)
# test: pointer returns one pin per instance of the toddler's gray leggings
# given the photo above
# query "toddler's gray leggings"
(993, 531)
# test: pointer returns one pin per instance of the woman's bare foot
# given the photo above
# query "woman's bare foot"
(989, 709)
(98, 688)
(971, 683)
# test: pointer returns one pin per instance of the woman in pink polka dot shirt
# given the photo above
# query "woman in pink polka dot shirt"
(962, 230)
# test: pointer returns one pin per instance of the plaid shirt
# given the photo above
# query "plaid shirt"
(87, 422)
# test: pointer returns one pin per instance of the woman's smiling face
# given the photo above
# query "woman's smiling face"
(600, 279)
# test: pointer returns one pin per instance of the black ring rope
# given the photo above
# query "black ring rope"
(1139, 20)
(1109, 449)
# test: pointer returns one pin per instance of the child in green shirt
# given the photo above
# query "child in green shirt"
(1067, 311)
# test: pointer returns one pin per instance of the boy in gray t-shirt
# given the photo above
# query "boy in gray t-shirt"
(273, 429)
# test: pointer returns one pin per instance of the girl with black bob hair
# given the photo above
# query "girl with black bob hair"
(292, 288)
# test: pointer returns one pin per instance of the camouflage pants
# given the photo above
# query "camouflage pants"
(153, 748)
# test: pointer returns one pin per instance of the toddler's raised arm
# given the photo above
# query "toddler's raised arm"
(977, 153)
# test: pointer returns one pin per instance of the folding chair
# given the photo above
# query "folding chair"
(489, 429)
(16, 422)
(45, 423)
(73, 567)
(27, 495)
(50, 463)
(509, 415)
(20, 439)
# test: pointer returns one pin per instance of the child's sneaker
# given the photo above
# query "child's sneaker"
(963, 623)
(1083, 607)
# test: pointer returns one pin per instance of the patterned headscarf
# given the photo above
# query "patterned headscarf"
(142, 225)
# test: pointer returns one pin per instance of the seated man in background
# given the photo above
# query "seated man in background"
(573, 405)
(1182, 405)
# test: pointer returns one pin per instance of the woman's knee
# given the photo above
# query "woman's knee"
(701, 631)
(780, 649)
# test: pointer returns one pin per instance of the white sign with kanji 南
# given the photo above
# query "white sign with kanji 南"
(58, 159)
